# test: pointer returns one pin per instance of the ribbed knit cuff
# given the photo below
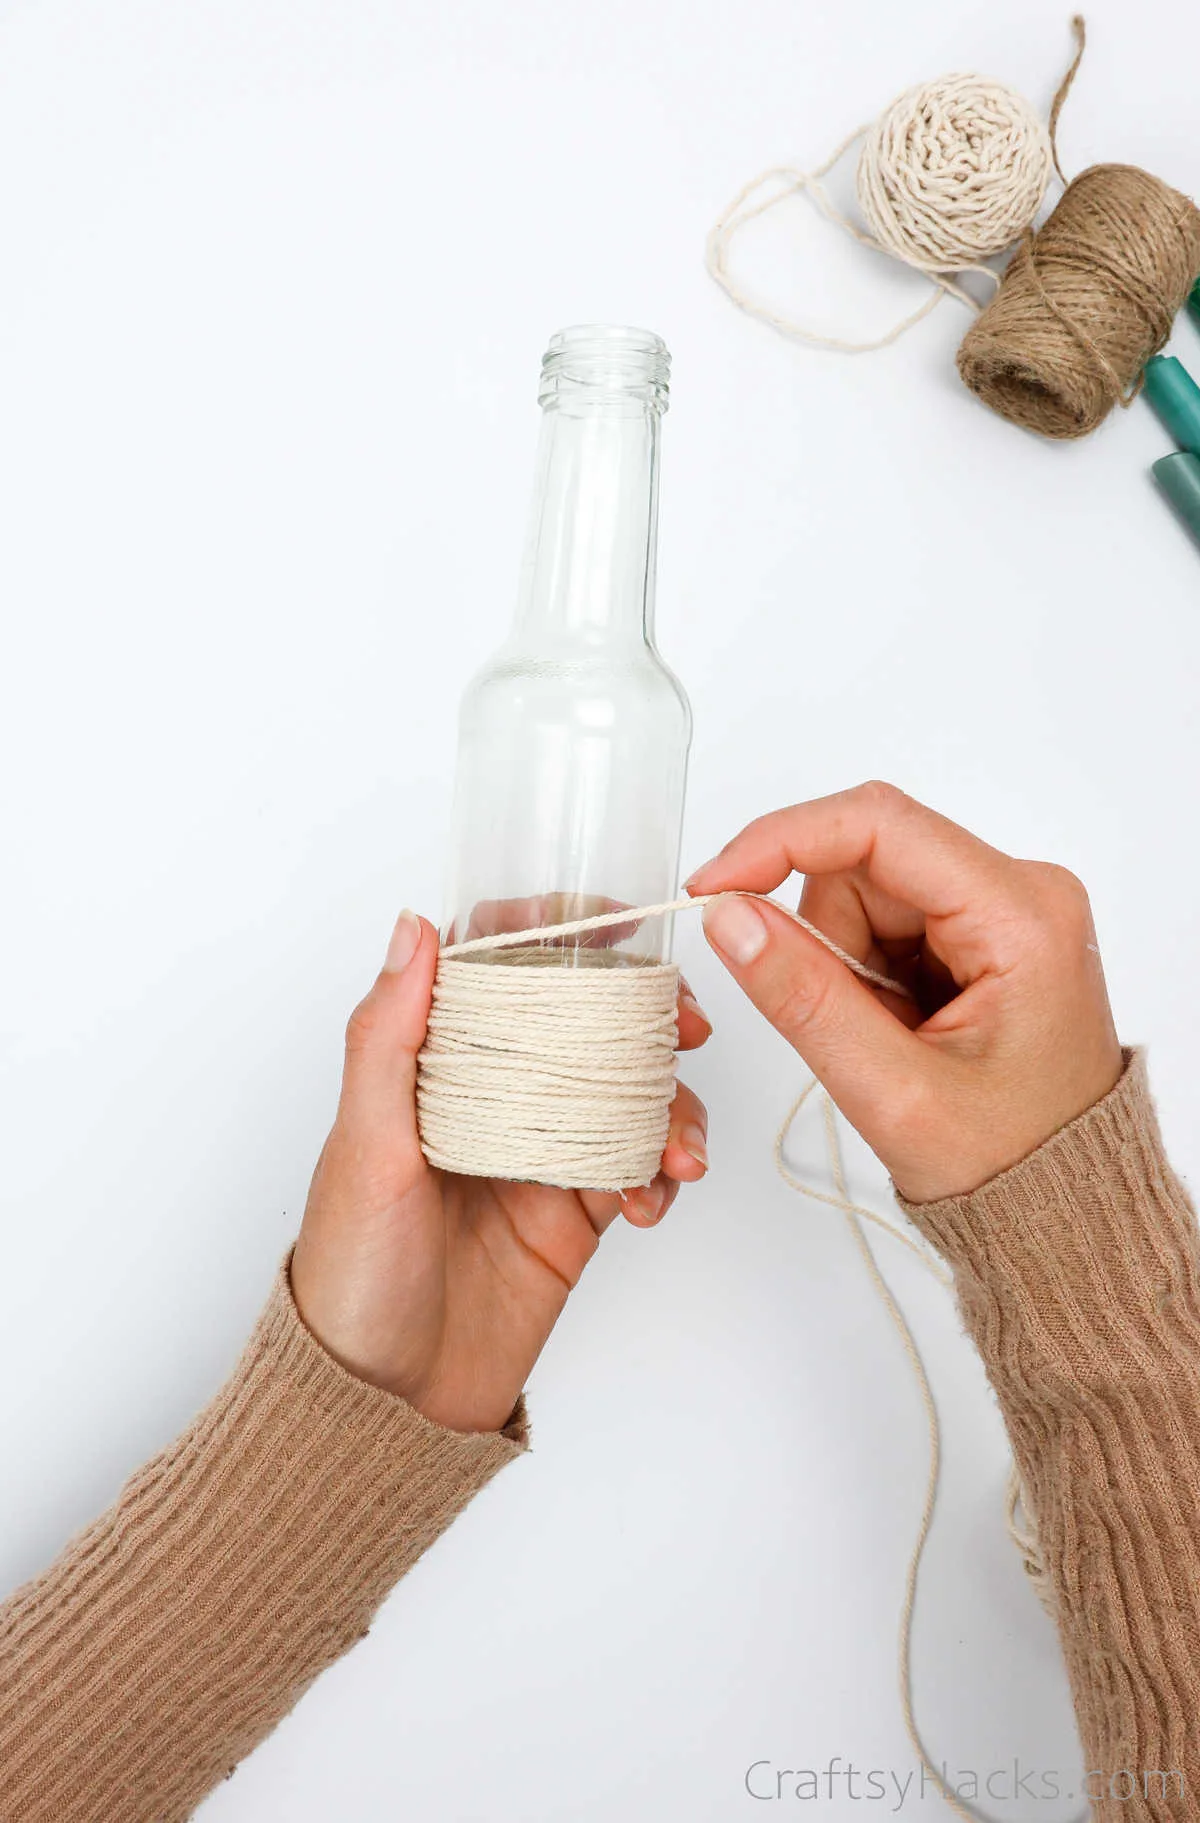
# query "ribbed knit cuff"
(1087, 1248)
(1077, 1275)
(282, 1341)
(176, 1631)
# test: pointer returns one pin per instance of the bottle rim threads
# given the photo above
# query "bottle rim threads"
(599, 360)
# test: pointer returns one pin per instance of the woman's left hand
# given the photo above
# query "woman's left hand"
(441, 1288)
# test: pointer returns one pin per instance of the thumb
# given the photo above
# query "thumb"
(870, 1063)
(386, 1030)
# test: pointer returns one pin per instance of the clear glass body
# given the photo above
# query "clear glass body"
(573, 740)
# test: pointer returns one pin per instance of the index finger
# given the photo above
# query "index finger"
(907, 849)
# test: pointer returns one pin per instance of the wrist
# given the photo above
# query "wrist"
(358, 1329)
(995, 1127)
(1094, 1221)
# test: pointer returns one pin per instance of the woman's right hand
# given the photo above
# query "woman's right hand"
(1009, 1034)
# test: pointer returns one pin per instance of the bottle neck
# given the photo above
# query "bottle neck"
(588, 574)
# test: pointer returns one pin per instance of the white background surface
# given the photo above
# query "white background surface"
(277, 277)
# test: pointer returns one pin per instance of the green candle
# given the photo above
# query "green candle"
(1179, 478)
(1175, 397)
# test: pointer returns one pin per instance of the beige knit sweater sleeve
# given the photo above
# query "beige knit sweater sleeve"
(171, 1636)
(174, 1633)
(1078, 1275)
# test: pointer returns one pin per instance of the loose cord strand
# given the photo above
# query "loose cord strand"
(1020, 1525)
(1079, 27)
(638, 914)
(912, 193)
(856, 1215)
(559, 1076)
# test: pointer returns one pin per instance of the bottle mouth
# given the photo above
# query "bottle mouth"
(599, 361)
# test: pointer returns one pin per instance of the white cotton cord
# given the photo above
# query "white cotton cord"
(564, 1075)
(1020, 1525)
(638, 914)
(853, 1211)
(952, 173)
(778, 183)
(855, 1215)
(1023, 1532)
(549, 1075)
(559, 1075)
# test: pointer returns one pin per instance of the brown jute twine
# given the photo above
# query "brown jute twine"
(1086, 299)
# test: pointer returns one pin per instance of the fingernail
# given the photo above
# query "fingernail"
(736, 929)
(688, 1003)
(648, 1201)
(403, 945)
(695, 875)
(692, 1139)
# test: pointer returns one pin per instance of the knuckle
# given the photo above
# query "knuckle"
(764, 825)
(360, 1027)
(880, 794)
(1070, 889)
(1061, 897)
(908, 1112)
(882, 803)
(804, 1004)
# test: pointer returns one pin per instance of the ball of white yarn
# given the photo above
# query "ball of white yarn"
(953, 172)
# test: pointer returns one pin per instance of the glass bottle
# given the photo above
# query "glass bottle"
(573, 739)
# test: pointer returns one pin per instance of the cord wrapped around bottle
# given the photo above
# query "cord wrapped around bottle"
(547, 1074)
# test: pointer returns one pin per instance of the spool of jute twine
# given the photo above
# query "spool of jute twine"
(953, 173)
(1085, 302)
